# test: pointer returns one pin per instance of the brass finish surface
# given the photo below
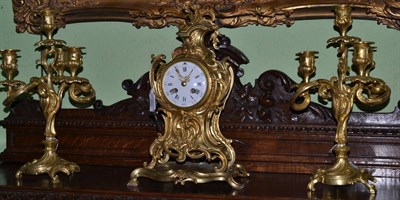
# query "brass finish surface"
(56, 58)
(228, 13)
(191, 135)
(343, 91)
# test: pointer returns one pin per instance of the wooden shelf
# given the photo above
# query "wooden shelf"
(108, 182)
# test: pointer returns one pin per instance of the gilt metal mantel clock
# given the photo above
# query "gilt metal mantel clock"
(192, 90)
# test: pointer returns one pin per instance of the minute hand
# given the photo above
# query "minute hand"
(187, 78)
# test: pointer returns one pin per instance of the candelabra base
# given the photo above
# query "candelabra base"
(342, 173)
(49, 163)
(193, 172)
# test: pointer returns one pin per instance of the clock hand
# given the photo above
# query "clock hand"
(187, 78)
(180, 77)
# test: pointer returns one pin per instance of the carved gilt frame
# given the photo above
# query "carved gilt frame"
(229, 13)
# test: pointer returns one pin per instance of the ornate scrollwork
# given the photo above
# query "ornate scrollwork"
(228, 13)
(260, 14)
(27, 12)
(389, 14)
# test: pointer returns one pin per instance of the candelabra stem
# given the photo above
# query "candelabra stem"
(343, 65)
(342, 172)
(50, 162)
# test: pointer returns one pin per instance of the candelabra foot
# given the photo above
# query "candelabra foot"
(342, 173)
(49, 163)
(196, 173)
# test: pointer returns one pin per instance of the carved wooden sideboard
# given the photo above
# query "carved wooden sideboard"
(271, 140)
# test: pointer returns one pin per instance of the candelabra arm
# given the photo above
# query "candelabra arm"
(302, 104)
(61, 88)
(81, 93)
(301, 99)
(12, 96)
(376, 95)
(373, 91)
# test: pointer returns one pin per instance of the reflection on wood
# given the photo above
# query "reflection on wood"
(101, 182)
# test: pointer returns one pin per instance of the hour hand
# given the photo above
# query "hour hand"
(179, 75)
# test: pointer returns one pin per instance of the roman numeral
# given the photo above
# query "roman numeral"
(194, 91)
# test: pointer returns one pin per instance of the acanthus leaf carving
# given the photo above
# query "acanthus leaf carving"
(258, 14)
(228, 13)
(389, 14)
(27, 12)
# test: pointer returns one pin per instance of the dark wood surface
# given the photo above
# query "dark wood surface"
(109, 182)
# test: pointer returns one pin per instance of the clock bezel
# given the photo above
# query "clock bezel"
(205, 71)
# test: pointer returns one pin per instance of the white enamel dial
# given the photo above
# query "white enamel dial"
(184, 84)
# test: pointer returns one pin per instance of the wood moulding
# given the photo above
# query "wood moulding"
(229, 13)
(267, 135)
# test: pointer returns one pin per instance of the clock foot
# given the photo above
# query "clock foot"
(196, 173)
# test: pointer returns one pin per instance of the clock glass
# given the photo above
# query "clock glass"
(184, 84)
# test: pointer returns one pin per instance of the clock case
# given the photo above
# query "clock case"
(191, 146)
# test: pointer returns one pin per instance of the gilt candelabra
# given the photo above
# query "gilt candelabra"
(343, 91)
(56, 58)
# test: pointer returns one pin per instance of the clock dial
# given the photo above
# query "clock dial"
(184, 84)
